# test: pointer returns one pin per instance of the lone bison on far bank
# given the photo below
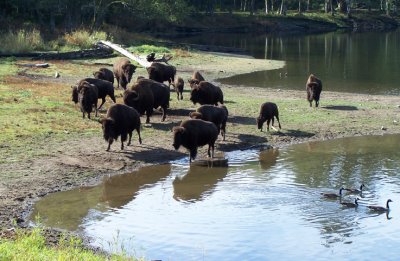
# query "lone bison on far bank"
(121, 120)
(123, 71)
(104, 74)
(314, 88)
(194, 133)
(268, 111)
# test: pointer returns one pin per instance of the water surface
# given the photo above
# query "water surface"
(345, 61)
(265, 206)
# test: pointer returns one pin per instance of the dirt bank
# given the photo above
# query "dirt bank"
(60, 150)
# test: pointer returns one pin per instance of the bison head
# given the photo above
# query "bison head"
(178, 136)
(196, 115)
(195, 95)
(128, 69)
(75, 94)
(131, 98)
(98, 75)
(260, 122)
(193, 83)
(108, 129)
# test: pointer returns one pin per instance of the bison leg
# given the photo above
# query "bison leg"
(181, 96)
(138, 132)
(122, 145)
(89, 115)
(268, 122)
(223, 130)
(95, 109)
(279, 124)
(316, 103)
(103, 100)
(130, 138)
(164, 113)
(110, 141)
(83, 115)
(193, 153)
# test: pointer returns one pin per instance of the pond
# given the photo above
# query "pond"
(344, 61)
(266, 205)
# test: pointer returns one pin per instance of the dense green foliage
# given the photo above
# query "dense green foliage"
(72, 14)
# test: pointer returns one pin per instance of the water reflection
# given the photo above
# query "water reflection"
(121, 189)
(345, 61)
(228, 212)
(198, 183)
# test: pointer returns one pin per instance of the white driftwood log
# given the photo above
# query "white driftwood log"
(128, 54)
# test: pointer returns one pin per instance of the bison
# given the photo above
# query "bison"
(121, 120)
(147, 94)
(178, 86)
(161, 72)
(314, 88)
(104, 88)
(196, 79)
(194, 133)
(104, 74)
(268, 111)
(87, 97)
(215, 114)
(206, 93)
(123, 71)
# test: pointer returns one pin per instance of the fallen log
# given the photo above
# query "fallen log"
(128, 54)
(38, 65)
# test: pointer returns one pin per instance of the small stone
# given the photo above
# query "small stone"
(57, 75)
(383, 128)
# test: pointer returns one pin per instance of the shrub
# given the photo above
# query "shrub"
(22, 41)
(84, 39)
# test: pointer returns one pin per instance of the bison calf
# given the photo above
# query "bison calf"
(104, 88)
(178, 86)
(87, 97)
(215, 114)
(268, 111)
(314, 88)
(121, 120)
(193, 133)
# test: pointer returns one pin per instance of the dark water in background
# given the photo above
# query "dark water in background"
(265, 206)
(347, 61)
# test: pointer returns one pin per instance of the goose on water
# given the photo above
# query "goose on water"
(356, 191)
(379, 208)
(333, 195)
(350, 204)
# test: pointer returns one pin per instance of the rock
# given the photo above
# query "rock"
(383, 128)
(57, 75)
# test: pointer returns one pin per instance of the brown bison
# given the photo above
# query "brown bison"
(268, 111)
(123, 71)
(206, 93)
(104, 88)
(121, 120)
(194, 133)
(178, 86)
(215, 114)
(161, 72)
(87, 97)
(104, 74)
(196, 79)
(314, 88)
(147, 94)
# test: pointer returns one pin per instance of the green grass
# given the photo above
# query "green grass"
(32, 246)
(146, 49)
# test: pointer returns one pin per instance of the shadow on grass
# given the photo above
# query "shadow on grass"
(242, 120)
(294, 133)
(340, 107)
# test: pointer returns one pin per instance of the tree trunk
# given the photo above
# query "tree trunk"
(283, 8)
(266, 7)
(331, 6)
(299, 6)
(252, 7)
(272, 6)
(387, 7)
(308, 5)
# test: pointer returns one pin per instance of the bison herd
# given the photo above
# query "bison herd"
(145, 95)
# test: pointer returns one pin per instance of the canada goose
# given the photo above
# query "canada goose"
(379, 208)
(350, 204)
(333, 195)
(356, 191)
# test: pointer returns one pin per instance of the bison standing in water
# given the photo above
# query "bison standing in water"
(193, 133)
(268, 111)
(123, 70)
(121, 120)
(314, 88)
